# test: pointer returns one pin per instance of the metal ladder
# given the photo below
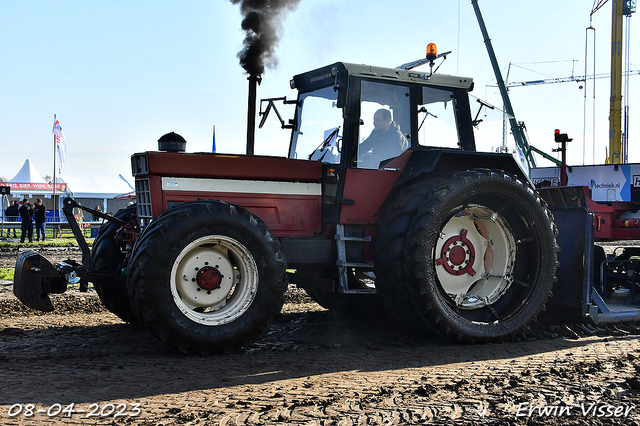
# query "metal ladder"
(343, 265)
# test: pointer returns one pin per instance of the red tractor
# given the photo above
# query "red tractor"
(382, 193)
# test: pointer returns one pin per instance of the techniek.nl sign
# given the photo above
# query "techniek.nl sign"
(607, 182)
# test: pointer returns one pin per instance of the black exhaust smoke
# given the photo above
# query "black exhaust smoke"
(262, 26)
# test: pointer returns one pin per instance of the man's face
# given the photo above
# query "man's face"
(380, 122)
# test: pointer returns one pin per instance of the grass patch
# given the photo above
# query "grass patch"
(6, 274)
(64, 239)
(62, 242)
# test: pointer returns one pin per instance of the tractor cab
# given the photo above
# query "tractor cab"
(362, 117)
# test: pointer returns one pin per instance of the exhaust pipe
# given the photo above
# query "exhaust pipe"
(254, 81)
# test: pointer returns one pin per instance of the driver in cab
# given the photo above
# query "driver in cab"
(385, 141)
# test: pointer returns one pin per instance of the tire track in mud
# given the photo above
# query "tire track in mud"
(311, 368)
(436, 394)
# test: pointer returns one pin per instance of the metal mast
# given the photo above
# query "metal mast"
(615, 109)
(518, 134)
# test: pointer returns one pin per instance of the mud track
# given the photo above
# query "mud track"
(312, 368)
(8, 254)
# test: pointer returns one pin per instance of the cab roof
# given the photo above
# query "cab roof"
(325, 76)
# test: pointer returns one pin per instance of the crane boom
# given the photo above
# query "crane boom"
(517, 131)
(566, 79)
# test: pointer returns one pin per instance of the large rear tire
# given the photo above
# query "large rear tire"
(207, 276)
(394, 232)
(479, 253)
(108, 268)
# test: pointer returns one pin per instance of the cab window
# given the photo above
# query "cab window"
(385, 124)
(436, 119)
(319, 133)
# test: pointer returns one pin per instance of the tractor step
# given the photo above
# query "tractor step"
(343, 238)
(343, 265)
(354, 264)
(359, 291)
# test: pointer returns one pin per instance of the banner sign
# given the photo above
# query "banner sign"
(36, 186)
(608, 183)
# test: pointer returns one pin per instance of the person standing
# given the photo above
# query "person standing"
(26, 215)
(79, 216)
(95, 231)
(40, 216)
(12, 214)
(94, 217)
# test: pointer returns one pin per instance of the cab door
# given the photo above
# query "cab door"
(384, 138)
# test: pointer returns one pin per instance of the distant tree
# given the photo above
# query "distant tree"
(47, 178)
(3, 179)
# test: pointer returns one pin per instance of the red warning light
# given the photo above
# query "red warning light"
(561, 137)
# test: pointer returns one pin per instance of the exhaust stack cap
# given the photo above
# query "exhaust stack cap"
(172, 142)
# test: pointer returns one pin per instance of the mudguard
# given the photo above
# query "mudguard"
(444, 160)
(35, 277)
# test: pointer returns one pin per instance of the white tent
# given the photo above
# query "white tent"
(79, 185)
(28, 174)
(94, 185)
(28, 183)
(101, 189)
(91, 189)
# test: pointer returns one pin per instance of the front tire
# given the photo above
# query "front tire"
(107, 265)
(480, 257)
(207, 276)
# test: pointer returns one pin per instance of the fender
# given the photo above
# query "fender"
(435, 160)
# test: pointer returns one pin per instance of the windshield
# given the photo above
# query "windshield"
(319, 134)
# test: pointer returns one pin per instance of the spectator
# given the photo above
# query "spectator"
(26, 215)
(12, 214)
(95, 217)
(94, 231)
(79, 216)
(40, 216)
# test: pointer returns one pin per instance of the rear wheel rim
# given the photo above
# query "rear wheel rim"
(214, 280)
(475, 257)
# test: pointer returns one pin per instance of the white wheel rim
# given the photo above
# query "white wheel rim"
(214, 280)
(474, 257)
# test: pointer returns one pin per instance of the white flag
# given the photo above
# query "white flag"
(521, 159)
(61, 147)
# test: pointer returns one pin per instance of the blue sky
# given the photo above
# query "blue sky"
(120, 74)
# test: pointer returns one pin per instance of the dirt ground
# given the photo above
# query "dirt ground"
(82, 365)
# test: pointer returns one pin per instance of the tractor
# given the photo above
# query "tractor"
(382, 197)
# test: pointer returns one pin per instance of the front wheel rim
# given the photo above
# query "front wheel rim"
(214, 280)
(475, 257)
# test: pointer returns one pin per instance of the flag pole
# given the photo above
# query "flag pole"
(213, 148)
(54, 175)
